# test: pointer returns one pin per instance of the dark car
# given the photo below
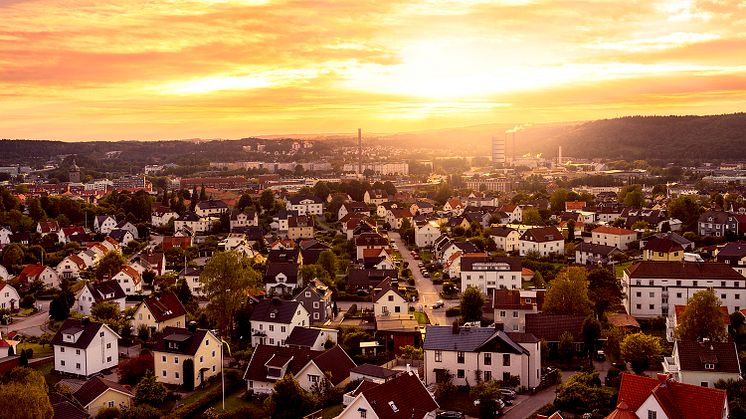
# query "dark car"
(450, 414)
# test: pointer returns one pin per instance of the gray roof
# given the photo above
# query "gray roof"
(469, 339)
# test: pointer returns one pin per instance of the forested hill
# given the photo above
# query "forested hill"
(653, 137)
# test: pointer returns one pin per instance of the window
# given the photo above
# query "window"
(487, 358)
(460, 357)
(438, 356)
(652, 414)
(460, 373)
(506, 360)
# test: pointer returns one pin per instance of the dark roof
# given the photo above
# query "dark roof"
(659, 244)
(90, 331)
(275, 311)
(596, 249)
(192, 340)
(402, 397)
(543, 234)
(95, 387)
(368, 278)
(374, 371)
(298, 357)
(682, 270)
(289, 269)
(486, 263)
(470, 339)
(336, 362)
(106, 290)
(550, 327)
(694, 355)
(165, 307)
(302, 336)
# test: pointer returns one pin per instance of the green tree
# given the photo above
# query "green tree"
(604, 290)
(583, 392)
(149, 391)
(472, 301)
(226, 279)
(328, 260)
(640, 350)
(267, 199)
(702, 318)
(568, 293)
(110, 265)
(24, 395)
(289, 400)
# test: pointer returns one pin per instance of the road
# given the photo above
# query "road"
(31, 325)
(428, 293)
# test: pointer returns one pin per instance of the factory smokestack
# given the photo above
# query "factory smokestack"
(359, 152)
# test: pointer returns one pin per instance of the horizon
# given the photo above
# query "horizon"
(229, 69)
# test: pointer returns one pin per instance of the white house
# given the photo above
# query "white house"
(92, 293)
(129, 279)
(387, 302)
(273, 320)
(490, 273)
(305, 206)
(426, 233)
(545, 241)
(84, 348)
(9, 298)
(505, 238)
(466, 352)
(613, 236)
(104, 224)
(703, 363)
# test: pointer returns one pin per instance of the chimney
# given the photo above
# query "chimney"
(456, 328)
(192, 326)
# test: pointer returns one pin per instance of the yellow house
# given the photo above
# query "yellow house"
(662, 249)
(98, 393)
(159, 312)
(178, 348)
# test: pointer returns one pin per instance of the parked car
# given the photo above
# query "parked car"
(438, 304)
(449, 414)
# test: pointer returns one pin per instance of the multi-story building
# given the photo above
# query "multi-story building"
(652, 288)
(490, 273)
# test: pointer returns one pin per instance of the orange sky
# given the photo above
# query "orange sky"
(158, 69)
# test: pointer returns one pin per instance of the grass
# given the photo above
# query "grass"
(332, 411)
(421, 317)
(39, 351)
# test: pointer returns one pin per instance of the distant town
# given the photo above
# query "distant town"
(349, 278)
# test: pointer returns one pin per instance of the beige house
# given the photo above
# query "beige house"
(98, 393)
(157, 313)
(200, 346)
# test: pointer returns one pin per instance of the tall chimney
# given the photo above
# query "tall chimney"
(359, 152)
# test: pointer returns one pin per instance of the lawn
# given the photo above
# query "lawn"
(421, 317)
(39, 351)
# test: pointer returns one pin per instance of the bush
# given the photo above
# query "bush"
(453, 311)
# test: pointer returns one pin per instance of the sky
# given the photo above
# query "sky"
(169, 69)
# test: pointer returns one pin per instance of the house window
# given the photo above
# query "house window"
(487, 358)
(438, 356)
(460, 357)
(460, 373)
(506, 360)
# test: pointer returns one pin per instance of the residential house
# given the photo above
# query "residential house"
(375, 197)
(333, 364)
(595, 254)
(315, 338)
(305, 206)
(300, 227)
(9, 298)
(396, 216)
(70, 267)
(129, 279)
(426, 233)
(703, 363)
(717, 224)
(273, 320)
(489, 273)
(179, 345)
(550, 327)
(388, 302)
(662, 249)
(103, 224)
(99, 393)
(211, 208)
(39, 272)
(352, 208)
(160, 217)
(82, 347)
(617, 237)
(672, 321)
(545, 241)
(404, 396)
(281, 278)
(651, 287)
(481, 353)
(510, 307)
(317, 299)
(98, 292)
(158, 312)
(243, 219)
(369, 241)
(505, 238)
(665, 398)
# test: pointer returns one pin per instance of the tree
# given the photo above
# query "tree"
(531, 216)
(472, 301)
(582, 393)
(566, 347)
(149, 391)
(267, 199)
(110, 265)
(604, 290)
(289, 400)
(568, 293)
(702, 318)
(226, 279)
(328, 260)
(639, 350)
(571, 230)
(132, 370)
(591, 333)
(24, 395)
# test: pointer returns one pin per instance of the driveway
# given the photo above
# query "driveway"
(428, 293)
